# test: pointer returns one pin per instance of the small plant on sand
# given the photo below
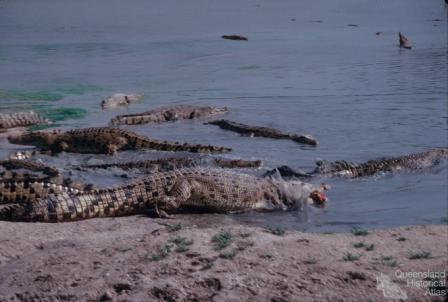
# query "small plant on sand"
(173, 227)
(208, 265)
(181, 243)
(369, 247)
(358, 245)
(357, 231)
(228, 255)
(267, 255)
(222, 240)
(419, 255)
(401, 238)
(279, 231)
(350, 257)
(161, 253)
(389, 261)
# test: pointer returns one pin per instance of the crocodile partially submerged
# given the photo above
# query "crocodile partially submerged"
(171, 163)
(234, 37)
(404, 42)
(410, 162)
(103, 140)
(214, 190)
(252, 131)
(21, 119)
(120, 99)
(167, 114)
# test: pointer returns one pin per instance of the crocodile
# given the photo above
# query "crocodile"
(410, 162)
(252, 131)
(214, 190)
(167, 114)
(103, 140)
(120, 99)
(21, 119)
(12, 164)
(171, 163)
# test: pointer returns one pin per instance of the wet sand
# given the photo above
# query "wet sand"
(142, 259)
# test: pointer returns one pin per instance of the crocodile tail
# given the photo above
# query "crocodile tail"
(13, 212)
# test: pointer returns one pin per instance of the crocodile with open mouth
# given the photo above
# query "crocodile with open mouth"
(213, 190)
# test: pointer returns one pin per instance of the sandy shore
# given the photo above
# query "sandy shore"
(142, 259)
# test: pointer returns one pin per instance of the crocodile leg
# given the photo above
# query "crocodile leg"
(179, 193)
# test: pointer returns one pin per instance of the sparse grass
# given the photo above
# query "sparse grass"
(401, 238)
(370, 247)
(419, 255)
(279, 231)
(228, 255)
(181, 243)
(357, 231)
(358, 245)
(161, 253)
(222, 240)
(208, 265)
(173, 227)
(389, 261)
(350, 257)
(310, 260)
(267, 255)
(367, 247)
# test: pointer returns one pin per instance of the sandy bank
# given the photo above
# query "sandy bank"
(140, 259)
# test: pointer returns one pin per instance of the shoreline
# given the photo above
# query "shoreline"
(142, 259)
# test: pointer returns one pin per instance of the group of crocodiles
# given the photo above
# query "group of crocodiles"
(171, 184)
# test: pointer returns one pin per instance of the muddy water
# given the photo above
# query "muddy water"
(303, 69)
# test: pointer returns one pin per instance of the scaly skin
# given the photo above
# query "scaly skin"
(26, 164)
(248, 130)
(28, 191)
(105, 140)
(167, 114)
(411, 162)
(165, 164)
(21, 119)
(215, 190)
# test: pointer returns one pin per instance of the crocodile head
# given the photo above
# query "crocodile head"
(297, 194)
(39, 139)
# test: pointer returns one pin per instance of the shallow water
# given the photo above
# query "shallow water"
(359, 94)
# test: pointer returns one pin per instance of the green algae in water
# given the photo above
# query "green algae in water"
(41, 95)
(42, 127)
(62, 114)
